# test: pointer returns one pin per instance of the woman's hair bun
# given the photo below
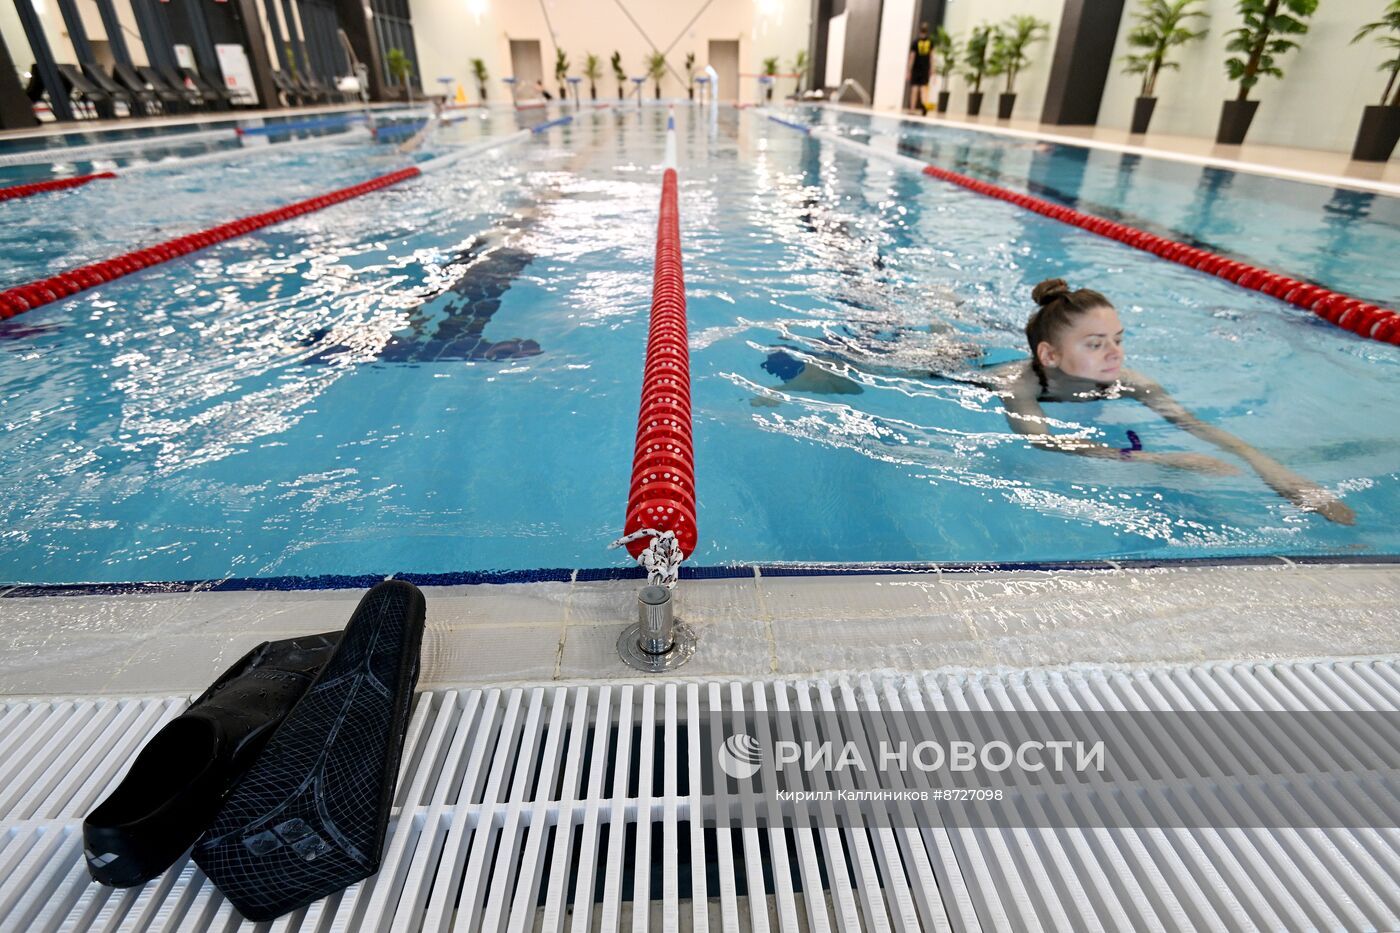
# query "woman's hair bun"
(1049, 290)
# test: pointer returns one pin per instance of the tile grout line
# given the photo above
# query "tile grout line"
(564, 631)
(767, 617)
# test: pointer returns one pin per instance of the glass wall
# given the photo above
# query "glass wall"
(394, 28)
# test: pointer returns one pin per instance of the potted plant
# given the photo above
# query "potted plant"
(401, 69)
(975, 62)
(770, 68)
(1161, 26)
(618, 73)
(1009, 53)
(656, 70)
(690, 75)
(1257, 39)
(801, 64)
(592, 70)
(479, 72)
(1380, 123)
(945, 50)
(561, 72)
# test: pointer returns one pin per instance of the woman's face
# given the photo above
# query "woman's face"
(1090, 348)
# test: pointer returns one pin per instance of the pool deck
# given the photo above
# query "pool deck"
(751, 626)
(1315, 166)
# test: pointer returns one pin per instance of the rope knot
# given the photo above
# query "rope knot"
(662, 557)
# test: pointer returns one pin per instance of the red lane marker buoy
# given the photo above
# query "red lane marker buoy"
(57, 184)
(1353, 314)
(663, 466)
(23, 298)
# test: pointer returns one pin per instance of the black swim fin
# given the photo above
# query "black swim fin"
(179, 780)
(309, 818)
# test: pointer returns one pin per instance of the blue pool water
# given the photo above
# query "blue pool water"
(1339, 237)
(444, 375)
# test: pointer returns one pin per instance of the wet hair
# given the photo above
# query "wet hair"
(1059, 306)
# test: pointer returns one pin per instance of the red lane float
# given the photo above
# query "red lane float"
(57, 184)
(25, 297)
(1353, 314)
(663, 466)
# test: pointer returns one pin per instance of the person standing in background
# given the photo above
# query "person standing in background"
(920, 66)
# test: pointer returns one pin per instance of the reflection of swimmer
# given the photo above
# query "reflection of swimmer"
(1076, 341)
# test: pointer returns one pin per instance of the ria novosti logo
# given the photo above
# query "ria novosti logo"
(740, 756)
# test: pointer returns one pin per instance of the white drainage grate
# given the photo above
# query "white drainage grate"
(562, 807)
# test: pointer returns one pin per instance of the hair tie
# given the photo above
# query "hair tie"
(1126, 453)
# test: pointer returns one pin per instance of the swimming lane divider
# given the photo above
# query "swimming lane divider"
(442, 161)
(662, 496)
(1352, 314)
(56, 184)
(788, 123)
(397, 130)
(272, 129)
(558, 121)
(79, 153)
(26, 297)
(225, 155)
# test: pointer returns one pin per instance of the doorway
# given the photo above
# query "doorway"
(526, 66)
(724, 58)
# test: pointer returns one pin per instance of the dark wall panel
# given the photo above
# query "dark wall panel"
(862, 41)
(816, 43)
(16, 110)
(1083, 56)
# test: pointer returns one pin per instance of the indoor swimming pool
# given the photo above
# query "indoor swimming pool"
(444, 375)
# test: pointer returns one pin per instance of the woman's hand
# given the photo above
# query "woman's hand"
(1306, 494)
(1199, 463)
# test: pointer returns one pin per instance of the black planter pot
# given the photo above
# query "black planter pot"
(1142, 113)
(1380, 130)
(1235, 117)
(1005, 104)
(974, 103)
(943, 101)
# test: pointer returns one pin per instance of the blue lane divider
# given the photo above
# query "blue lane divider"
(797, 126)
(399, 129)
(273, 129)
(557, 122)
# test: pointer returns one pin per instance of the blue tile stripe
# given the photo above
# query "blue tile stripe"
(632, 572)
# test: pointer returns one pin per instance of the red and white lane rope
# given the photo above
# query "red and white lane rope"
(56, 184)
(25, 297)
(1353, 314)
(660, 528)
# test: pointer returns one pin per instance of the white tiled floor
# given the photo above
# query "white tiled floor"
(750, 626)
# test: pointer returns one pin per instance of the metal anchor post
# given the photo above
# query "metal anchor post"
(656, 642)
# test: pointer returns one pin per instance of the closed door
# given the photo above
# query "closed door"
(724, 58)
(526, 67)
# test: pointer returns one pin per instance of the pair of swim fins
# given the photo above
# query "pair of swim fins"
(282, 773)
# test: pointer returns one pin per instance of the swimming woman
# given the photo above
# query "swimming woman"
(1076, 344)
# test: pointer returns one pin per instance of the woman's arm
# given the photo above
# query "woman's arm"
(1299, 490)
(1027, 418)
